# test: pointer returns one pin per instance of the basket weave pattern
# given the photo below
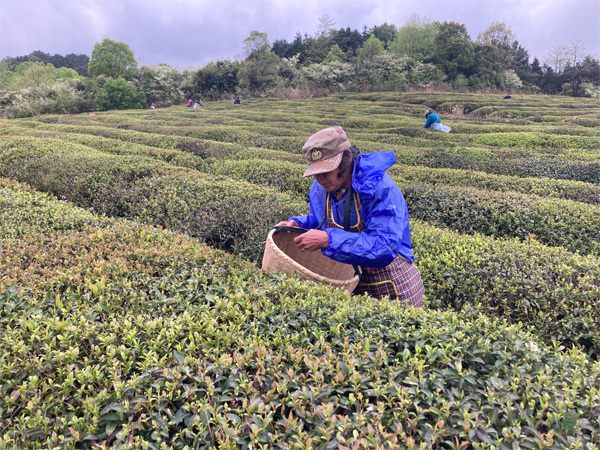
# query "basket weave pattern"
(282, 255)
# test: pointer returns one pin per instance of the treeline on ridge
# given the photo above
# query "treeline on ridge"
(419, 55)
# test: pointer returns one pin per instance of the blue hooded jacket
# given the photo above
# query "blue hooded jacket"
(383, 209)
(431, 119)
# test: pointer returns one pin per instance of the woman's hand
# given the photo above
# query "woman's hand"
(312, 240)
(289, 223)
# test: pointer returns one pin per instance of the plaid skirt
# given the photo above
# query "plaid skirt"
(400, 280)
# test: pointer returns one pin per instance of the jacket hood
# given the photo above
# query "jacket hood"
(369, 169)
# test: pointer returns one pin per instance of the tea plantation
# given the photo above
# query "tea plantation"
(133, 313)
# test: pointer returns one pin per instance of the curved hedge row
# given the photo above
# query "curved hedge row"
(565, 189)
(24, 211)
(231, 215)
(114, 146)
(573, 225)
(484, 160)
(538, 140)
(198, 147)
(144, 338)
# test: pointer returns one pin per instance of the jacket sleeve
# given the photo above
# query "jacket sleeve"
(317, 209)
(386, 220)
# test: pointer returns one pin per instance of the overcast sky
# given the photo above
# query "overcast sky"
(190, 33)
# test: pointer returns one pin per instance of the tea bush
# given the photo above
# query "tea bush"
(144, 338)
(230, 215)
(573, 225)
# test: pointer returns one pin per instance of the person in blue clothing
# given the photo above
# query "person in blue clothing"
(434, 122)
(358, 216)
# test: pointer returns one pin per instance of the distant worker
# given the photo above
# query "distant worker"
(190, 102)
(198, 104)
(153, 106)
(507, 96)
(434, 122)
(237, 101)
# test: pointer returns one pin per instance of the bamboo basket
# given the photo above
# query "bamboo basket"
(282, 255)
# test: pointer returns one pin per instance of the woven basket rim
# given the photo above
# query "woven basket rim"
(309, 273)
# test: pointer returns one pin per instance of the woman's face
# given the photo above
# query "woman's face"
(331, 181)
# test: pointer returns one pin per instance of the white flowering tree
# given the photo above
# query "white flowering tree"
(161, 84)
(332, 75)
(511, 80)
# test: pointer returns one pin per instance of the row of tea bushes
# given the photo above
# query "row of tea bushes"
(538, 140)
(482, 128)
(198, 147)
(497, 162)
(24, 211)
(174, 157)
(129, 336)
(545, 187)
(180, 151)
(554, 292)
(573, 225)
(414, 137)
(235, 216)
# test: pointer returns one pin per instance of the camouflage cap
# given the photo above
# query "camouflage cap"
(324, 150)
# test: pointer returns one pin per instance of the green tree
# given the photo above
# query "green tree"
(488, 66)
(112, 59)
(385, 33)
(317, 49)
(254, 43)
(454, 51)
(117, 94)
(261, 67)
(349, 40)
(370, 49)
(285, 49)
(416, 39)
(335, 54)
(217, 78)
(161, 84)
(33, 74)
(499, 35)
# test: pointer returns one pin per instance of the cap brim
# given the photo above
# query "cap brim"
(323, 166)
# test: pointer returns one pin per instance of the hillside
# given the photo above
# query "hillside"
(133, 313)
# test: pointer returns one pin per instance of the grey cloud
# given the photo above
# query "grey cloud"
(192, 33)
